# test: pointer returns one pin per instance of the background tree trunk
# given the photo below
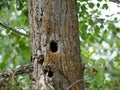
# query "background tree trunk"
(55, 45)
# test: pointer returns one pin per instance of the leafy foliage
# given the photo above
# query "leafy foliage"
(99, 35)
(99, 44)
(14, 48)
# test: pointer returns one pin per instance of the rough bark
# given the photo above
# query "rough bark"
(55, 45)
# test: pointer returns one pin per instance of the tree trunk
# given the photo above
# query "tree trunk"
(55, 47)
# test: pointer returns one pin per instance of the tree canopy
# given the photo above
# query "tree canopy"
(99, 28)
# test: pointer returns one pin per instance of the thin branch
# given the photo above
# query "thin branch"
(75, 83)
(12, 29)
(7, 76)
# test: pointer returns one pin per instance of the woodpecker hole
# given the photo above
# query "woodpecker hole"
(53, 46)
(50, 74)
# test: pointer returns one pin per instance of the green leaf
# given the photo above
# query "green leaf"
(26, 52)
(18, 50)
(111, 26)
(91, 5)
(118, 43)
(91, 38)
(94, 11)
(81, 23)
(97, 29)
(117, 68)
(84, 28)
(78, 4)
(105, 6)
(98, 4)
(99, 0)
(19, 5)
(91, 22)
(24, 49)
(7, 31)
(101, 26)
(83, 8)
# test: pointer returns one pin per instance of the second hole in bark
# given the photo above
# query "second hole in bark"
(50, 74)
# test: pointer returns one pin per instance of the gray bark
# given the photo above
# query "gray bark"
(55, 47)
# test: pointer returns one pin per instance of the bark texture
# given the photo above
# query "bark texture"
(55, 45)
